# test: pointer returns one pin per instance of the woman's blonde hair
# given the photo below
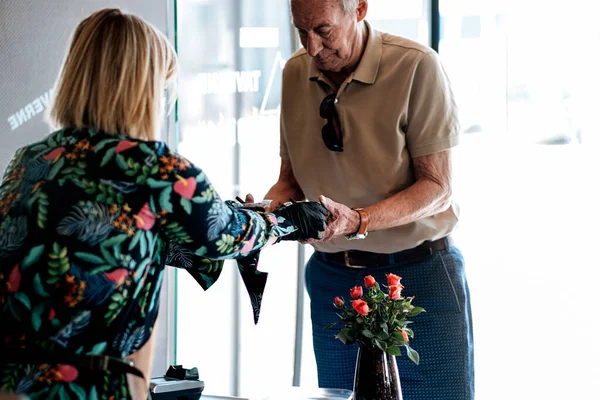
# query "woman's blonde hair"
(114, 75)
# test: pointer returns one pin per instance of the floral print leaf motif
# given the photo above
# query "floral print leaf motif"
(56, 169)
(77, 390)
(73, 328)
(59, 263)
(218, 218)
(225, 244)
(119, 300)
(165, 199)
(36, 316)
(154, 184)
(38, 287)
(99, 348)
(91, 258)
(179, 256)
(32, 257)
(107, 156)
(93, 395)
(98, 286)
(130, 340)
(89, 222)
(13, 232)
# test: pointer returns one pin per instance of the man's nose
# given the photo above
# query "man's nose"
(314, 44)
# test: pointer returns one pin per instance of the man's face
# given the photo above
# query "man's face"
(326, 32)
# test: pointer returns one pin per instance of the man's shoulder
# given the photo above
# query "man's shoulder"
(401, 44)
(300, 59)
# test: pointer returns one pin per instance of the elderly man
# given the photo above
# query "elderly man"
(367, 123)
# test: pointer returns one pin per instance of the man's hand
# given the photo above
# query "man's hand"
(342, 220)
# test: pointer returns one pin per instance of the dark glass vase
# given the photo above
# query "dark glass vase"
(376, 376)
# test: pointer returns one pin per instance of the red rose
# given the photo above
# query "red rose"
(356, 292)
(51, 314)
(393, 279)
(361, 307)
(396, 292)
(14, 279)
(369, 281)
(67, 373)
(338, 302)
(404, 335)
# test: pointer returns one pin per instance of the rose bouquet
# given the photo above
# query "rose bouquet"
(377, 319)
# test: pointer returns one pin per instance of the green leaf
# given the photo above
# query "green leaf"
(393, 350)
(344, 336)
(367, 333)
(103, 143)
(62, 393)
(199, 200)
(381, 344)
(36, 317)
(33, 256)
(107, 156)
(135, 240)
(154, 184)
(53, 391)
(109, 258)
(143, 245)
(22, 297)
(98, 348)
(416, 311)
(165, 199)
(115, 240)
(187, 205)
(88, 257)
(38, 286)
(412, 354)
(141, 180)
(93, 393)
(56, 168)
(121, 162)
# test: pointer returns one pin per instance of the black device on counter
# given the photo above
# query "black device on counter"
(177, 384)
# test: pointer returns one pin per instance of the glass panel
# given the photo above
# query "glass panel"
(232, 54)
(525, 79)
(408, 18)
(206, 113)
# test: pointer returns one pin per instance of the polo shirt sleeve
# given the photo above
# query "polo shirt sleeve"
(432, 123)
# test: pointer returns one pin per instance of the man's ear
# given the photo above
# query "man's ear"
(361, 11)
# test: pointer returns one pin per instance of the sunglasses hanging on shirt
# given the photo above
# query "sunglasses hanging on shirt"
(332, 131)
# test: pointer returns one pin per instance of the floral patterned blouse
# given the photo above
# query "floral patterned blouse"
(87, 223)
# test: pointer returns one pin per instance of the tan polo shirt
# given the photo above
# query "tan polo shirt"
(397, 105)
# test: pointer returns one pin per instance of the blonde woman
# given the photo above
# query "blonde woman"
(90, 216)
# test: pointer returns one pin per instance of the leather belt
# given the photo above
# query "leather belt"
(365, 259)
(89, 362)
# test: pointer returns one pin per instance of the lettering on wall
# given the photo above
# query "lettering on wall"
(228, 82)
(30, 110)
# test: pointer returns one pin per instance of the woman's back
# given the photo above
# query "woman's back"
(87, 223)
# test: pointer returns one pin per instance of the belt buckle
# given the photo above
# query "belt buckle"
(347, 262)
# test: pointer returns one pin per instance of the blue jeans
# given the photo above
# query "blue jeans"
(443, 334)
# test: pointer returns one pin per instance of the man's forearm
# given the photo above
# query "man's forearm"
(429, 195)
(422, 199)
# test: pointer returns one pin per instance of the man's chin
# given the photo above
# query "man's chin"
(329, 67)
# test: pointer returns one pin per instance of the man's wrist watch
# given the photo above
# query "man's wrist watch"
(362, 227)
